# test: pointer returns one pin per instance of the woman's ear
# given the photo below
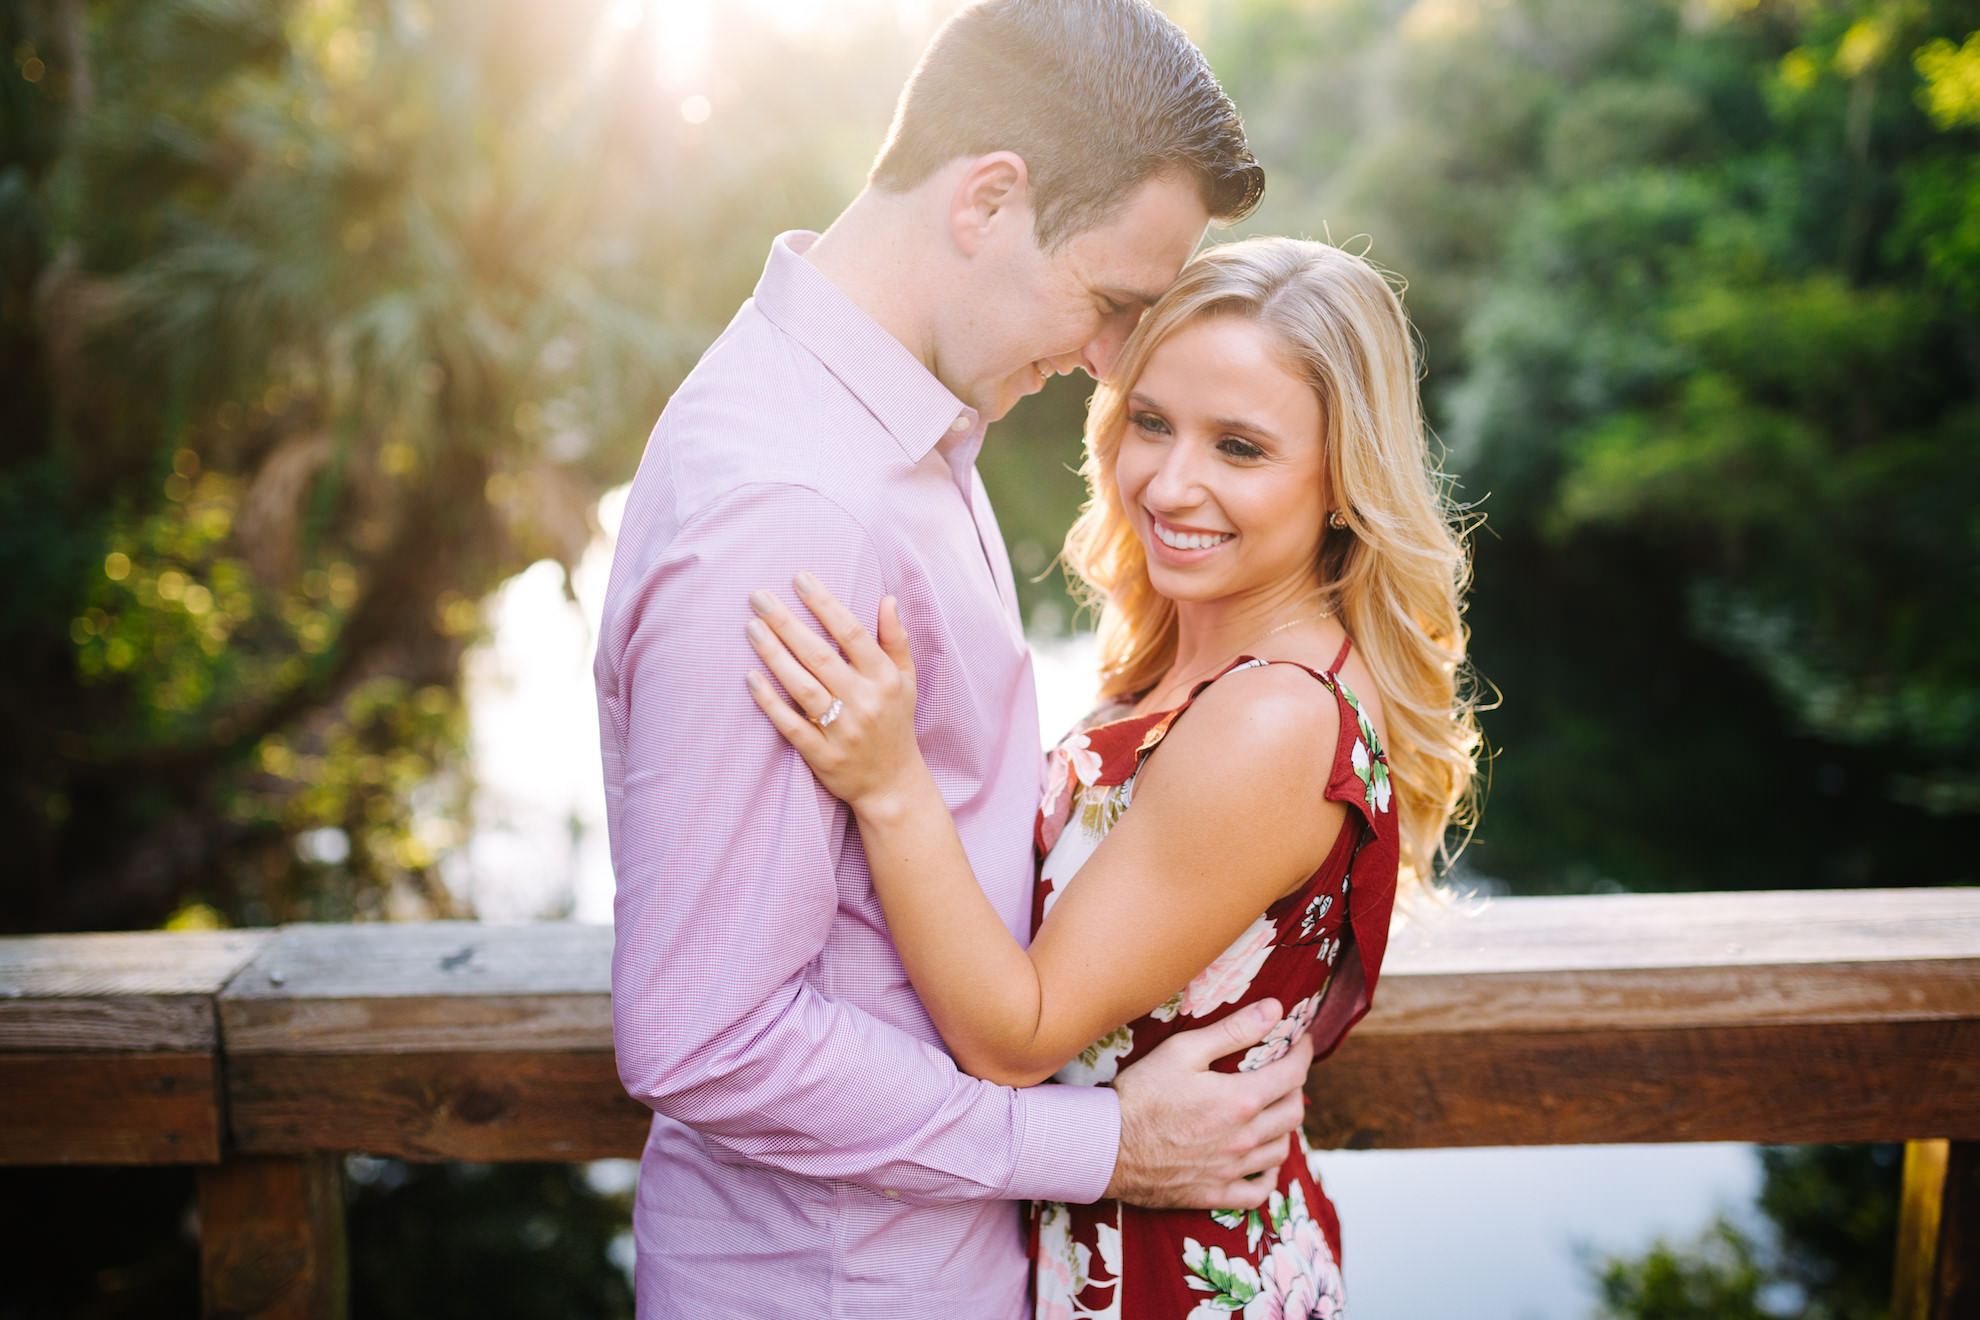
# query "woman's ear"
(993, 194)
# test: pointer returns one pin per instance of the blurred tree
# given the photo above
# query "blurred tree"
(1694, 284)
(463, 1241)
(318, 319)
(1832, 1212)
(1696, 287)
(330, 316)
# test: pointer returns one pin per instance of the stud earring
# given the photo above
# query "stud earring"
(1337, 520)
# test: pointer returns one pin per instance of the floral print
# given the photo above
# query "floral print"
(1098, 1063)
(1281, 1261)
(1371, 767)
(1225, 980)
(1298, 1276)
(1291, 1027)
(1065, 1279)
(1074, 757)
(1316, 912)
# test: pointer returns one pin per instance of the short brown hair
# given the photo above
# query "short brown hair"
(1097, 96)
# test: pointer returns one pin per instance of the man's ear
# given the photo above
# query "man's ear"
(993, 193)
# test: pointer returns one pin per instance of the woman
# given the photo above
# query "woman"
(1276, 559)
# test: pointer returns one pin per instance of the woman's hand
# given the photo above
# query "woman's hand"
(865, 753)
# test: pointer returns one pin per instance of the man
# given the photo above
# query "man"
(814, 1151)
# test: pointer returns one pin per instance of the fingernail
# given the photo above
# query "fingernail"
(757, 632)
(805, 583)
(761, 601)
(753, 678)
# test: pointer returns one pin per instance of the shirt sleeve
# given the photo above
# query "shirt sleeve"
(726, 853)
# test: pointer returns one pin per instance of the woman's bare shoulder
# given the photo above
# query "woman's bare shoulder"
(1263, 721)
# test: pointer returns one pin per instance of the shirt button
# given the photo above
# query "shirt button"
(888, 1191)
(961, 423)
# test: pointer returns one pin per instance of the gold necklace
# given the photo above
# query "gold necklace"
(1290, 623)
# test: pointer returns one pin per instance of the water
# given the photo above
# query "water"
(1428, 1235)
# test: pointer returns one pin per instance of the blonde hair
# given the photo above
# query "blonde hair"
(1396, 575)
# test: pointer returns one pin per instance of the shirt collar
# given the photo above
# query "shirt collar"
(902, 394)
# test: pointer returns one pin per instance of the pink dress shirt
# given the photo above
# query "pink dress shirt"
(814, 1150)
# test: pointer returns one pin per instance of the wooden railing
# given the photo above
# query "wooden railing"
(264, 1056)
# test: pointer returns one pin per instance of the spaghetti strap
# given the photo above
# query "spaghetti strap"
(1347, 644)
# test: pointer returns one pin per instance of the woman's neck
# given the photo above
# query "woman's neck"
(1210, 634)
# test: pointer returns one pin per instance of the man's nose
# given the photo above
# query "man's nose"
(1101, 351)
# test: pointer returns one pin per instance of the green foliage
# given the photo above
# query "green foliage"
(1696, 289)
(335, 314)
(319, 318)
(1833, 1217)
(1715, 1277)
(436, 1242)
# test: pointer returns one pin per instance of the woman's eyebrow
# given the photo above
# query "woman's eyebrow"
(1140, 400)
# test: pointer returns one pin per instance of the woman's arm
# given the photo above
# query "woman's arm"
(1230, 815)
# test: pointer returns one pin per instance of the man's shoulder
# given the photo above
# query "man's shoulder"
(760, 409)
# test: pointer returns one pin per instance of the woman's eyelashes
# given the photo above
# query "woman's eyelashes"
(1236, 446)
(1230, 446)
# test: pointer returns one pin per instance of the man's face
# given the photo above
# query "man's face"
(1031, 314)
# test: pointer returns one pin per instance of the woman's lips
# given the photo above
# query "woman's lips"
(1186, 542)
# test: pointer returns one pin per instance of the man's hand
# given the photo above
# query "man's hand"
(1194, 1139)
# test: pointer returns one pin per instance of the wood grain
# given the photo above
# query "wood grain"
(271, 1240)
(1956, 1280)
(1915, 1268)
(432, 987)
(1758, 928)
(480, 1106)
(145, 991)
(122, 1108)
(1629, 961)
(1835, 1015)
(1785, 1084)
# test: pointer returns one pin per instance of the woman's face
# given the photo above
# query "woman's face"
(1220, 465)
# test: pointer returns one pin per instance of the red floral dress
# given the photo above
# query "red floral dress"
(1317, 951)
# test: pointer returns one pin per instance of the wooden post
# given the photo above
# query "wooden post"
(1938, 1255)
(271, 1239)
(1918, 1229)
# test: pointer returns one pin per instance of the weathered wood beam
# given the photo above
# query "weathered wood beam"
(479, 1106)
(1777, 1084)
(1956, 1281)
(1917, 1264)
(109, 1046)
(1825, 1016)
(1770, 1017)
(271, 1239)
(446, 1040)
(1938, 1248)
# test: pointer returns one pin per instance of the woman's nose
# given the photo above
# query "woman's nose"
(1175, 481)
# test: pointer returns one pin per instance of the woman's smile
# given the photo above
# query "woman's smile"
(1221, 466)
(1186, 541)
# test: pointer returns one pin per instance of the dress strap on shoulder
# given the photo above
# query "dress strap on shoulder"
(1347, 644)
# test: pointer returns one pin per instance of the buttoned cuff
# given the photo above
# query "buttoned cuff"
(1069, 1138)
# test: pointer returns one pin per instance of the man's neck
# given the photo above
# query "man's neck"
(876, 253)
